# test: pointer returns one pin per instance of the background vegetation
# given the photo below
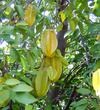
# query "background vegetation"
(77, 24)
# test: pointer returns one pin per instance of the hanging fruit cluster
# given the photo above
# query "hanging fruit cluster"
(51, 66)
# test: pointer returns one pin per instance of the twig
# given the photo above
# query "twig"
(29, 1)
(39, 3)
(77, 69)
(75, 75)
(10, 105)
(70, 99)
(70, 72)
(85, 48)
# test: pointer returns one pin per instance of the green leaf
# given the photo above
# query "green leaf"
(6, 36)
(20, 10)
(97, 64)
(30, 60)
(19, 24)
(83, 91)
(59, 27)
(28, 107)
(8, 10)
(64, 62)
(39, 27)
(6, 108)
(26, 80)
(4, 97)
(2, 79)
(12, 81)
(25, 98)
(14, 55)
(63, 17)
(69, 11)
(1, 86)
(22, 88)
(80, 24)
(96, 9)
(95, 50)
(73, 23)
(82, 107)
(23, 62)
(93, 28)
(49, 106)
(79, 103)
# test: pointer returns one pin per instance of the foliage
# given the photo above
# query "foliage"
(21, 54)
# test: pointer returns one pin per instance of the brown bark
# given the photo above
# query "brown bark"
(61, 39)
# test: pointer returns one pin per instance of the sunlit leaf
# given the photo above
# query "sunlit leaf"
(83, 91)
(22, 88)
(12, 82)
(4, 97)
(25, 98)
(28, 107)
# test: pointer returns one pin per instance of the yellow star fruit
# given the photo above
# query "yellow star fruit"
(96, 81)
(30, 14)
(49, 42)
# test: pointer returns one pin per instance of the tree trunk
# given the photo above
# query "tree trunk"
(53, 95)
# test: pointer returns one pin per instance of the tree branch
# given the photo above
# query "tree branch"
(70, 98)
(10, 105)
